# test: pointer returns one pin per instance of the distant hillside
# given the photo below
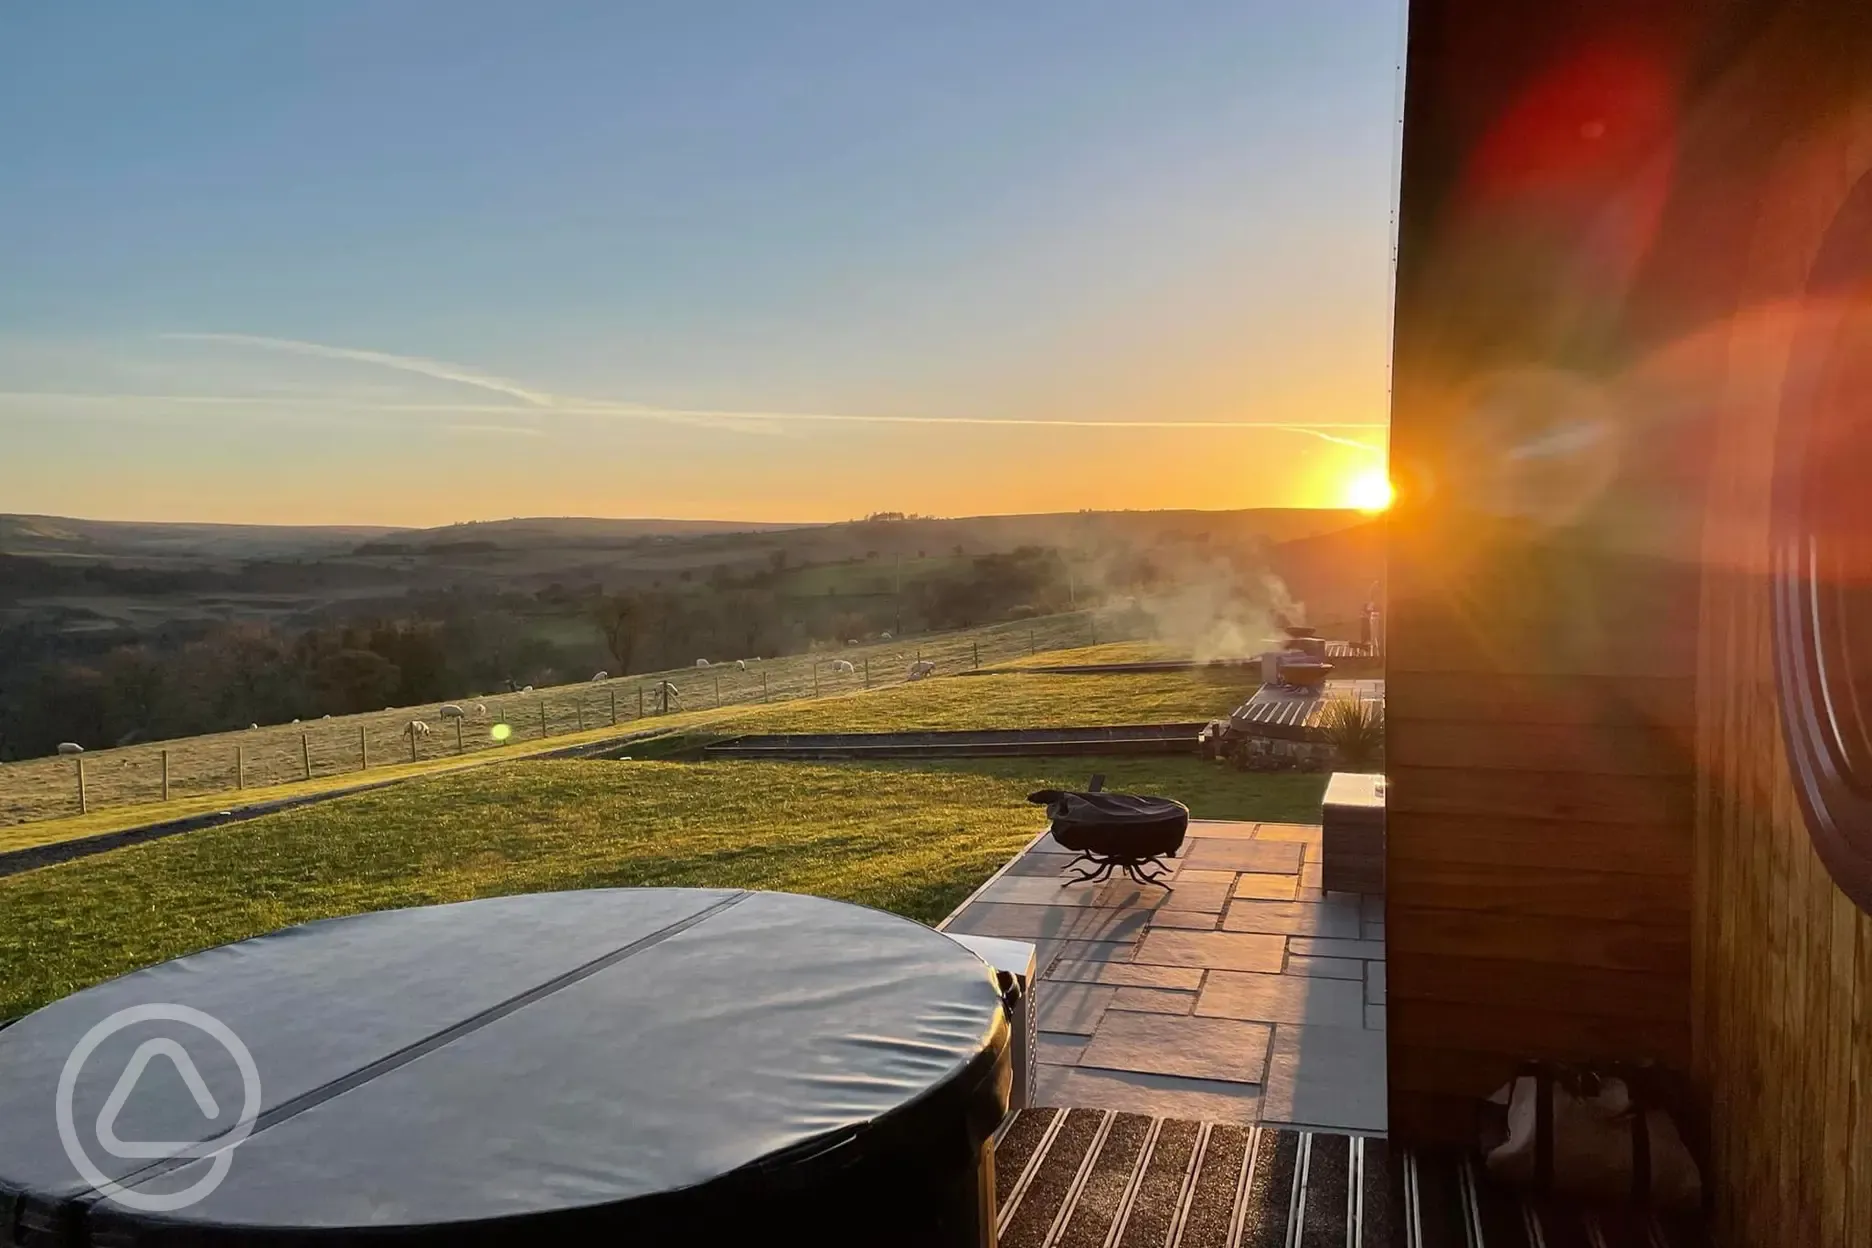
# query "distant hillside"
(134, 539)
(1333, 573)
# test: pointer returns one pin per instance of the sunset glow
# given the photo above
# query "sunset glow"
(1370, 491)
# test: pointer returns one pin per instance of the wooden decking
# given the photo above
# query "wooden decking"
(1088, 1178)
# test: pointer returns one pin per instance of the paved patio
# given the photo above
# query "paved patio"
(1244, 994)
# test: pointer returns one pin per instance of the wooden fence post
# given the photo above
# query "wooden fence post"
(763, 686)
(84, 802)
(976, 647)
(165, 774)
(1033, 647)
(815, 678)
(614, 708)
(867, 671)
(240, 768)
(580, 711)
(458, 734)
(305, 754)
(718, 690)
(640, 705)
(412, 745)
(543, 733)
(363, 750)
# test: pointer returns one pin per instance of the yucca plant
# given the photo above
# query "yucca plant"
(1355, 728)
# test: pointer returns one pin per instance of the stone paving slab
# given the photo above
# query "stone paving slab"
(1073, 1008)
(1256, 886)
(1266, 998)
(1327, 1077)
(1293, 918)
(1195, 1048)
(1223, 829)
(1374, 1017)
(1017, 921)
(1269, 857)
(1160, 1096)
(1187, 978)
(1042, 890)
(1306, 833)
(1059, 1048)
(1196, 895)
(1154, 1000)
(1235, 951)
(1326, 968)
(1371, 950)
(1375, 983)
(1050, 951)
(1195, 920)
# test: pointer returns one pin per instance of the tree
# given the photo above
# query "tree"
(619, 618)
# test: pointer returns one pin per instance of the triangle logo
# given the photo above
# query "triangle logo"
(126, 1083)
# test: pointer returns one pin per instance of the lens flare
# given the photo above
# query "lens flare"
(1370, 491)
(500, 732)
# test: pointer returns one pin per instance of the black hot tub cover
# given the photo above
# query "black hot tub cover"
(641, 1065)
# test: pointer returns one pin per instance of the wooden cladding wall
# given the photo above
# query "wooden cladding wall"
(1595, 848)
(1544, 576)
(1782, 1002)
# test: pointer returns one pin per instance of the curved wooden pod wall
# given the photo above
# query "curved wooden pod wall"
(1595, 847)
(1782, 1013)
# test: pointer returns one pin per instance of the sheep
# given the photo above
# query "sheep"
(598, 676)
(70, 747)
(523, 689)
(324, 717)
(701, 662)
(295, 721)
(450, 711)
(884, 636)
(256, 727)
(843, 666)
(922, 668)
(740, 665)
(480, 710)
(851, 641)
(416, 728)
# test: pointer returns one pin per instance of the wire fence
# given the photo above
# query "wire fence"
(268, 756)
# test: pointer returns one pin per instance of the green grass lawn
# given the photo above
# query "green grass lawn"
(1010, 701)
(913, 838)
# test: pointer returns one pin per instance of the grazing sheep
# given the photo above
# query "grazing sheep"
(922, 668)
(480, 710)
(740, 665)
(844, 666)
(295, 721)
(70, 747)
(450, 711)
(598, 676)
(701, 662)
(324, 717)
(417, 728)
(884, 636)
(254, 727)
(851, 641)
(523, 689)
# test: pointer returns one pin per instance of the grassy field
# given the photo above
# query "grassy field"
(911, 838)
(253, 759)
(1010, 701)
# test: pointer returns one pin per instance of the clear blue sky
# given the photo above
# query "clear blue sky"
(411, 262)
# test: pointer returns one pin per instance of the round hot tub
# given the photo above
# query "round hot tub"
(650, 1065)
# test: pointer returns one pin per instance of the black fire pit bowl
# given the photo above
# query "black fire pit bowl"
(1115, 831)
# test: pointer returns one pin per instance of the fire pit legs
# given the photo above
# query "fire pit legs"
(1145, 870)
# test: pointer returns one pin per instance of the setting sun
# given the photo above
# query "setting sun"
(1369, 491)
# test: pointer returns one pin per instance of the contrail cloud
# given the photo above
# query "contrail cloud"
(535, 402)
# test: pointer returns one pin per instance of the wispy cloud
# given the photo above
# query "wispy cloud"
(537, 402)
(440, 370)
(520, 431)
